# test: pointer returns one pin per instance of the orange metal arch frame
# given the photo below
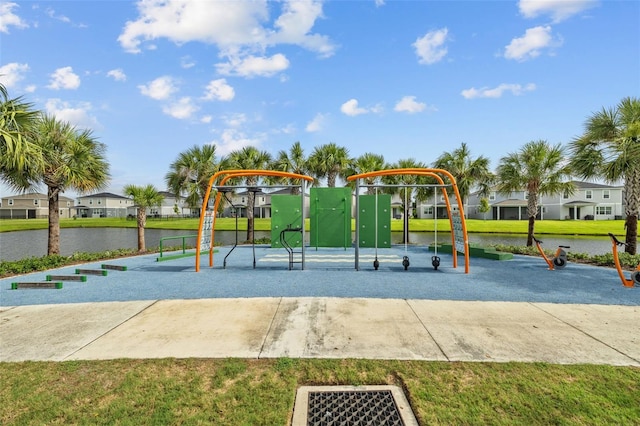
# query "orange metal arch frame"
(432, 173)
(230, 174)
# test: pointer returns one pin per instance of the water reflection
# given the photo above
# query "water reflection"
(21, 244)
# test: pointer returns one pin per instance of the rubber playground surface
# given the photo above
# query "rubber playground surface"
(511, 310)
(330, 272)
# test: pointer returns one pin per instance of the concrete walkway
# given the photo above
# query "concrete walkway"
(514, 310)
(323, 328)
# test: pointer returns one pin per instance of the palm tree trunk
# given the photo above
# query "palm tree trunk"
(142, 221)
(632, 205)
(250, 221)
(532, 223)
(53, 245)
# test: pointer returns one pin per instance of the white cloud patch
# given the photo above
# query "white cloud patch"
(187, 62)
(117, 75)
(558, 10)
(160, 88)
(240, 29)
(182, 109)
(234, 120)
(64, 78)
(531, 44)
(497, 92)
(10, 19)
(252, 66)
(317, 124)
(206, 119)
(11, 74)
(430, 48)
(219, 90)
(78, 114)
(410, 105)
(232, 140)
(351, 108)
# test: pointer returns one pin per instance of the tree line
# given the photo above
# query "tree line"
(38, 149)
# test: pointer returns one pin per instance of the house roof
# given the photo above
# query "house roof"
(511, 203)
(33, 195)
(578, 203)
(591, 185)
(104, 195)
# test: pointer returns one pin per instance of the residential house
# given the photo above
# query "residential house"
(170, 207)
(262, 205)
(590, 201)
(34, 206)
(103, 204)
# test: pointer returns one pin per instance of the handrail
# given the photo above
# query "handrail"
(176, 237)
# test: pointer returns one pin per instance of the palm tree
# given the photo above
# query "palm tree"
(367, 162)
(468, 172)
(330, 161)
(16, 150)
(293, 161)
(609, 149)
(143, 197)
(406, 193)
(72, 159)
(249, 158)
(189, 174)
(538, 168)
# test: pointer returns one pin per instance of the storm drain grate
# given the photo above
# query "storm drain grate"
(352, 406)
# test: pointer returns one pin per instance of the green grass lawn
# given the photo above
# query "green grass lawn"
(559, 227)
(262, 392)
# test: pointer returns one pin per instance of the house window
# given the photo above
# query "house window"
(10, 202)
(61, 212)
(603, 210)
(428, 210)
(565, 195)
(90, 202)
(588, 194)
(606, 194)
(68, 203)
(153, 212)
(492, 196)
(99, 201)
(242, 201)
(35, 202)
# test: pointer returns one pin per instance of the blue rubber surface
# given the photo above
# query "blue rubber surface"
(331, 273)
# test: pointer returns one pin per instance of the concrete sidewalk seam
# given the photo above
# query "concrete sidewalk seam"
(266, 335)
(109, 331)
(585, 333)
(408, 301)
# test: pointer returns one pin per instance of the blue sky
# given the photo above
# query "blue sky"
(405, 79)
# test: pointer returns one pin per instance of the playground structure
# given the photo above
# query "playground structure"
(559, 260)
(333, 210)
(206, 227)
(635, 275)
(459, 240)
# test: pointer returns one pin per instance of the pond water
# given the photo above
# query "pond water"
(22, 244)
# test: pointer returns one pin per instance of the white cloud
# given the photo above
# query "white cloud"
(181, 110)
(187, 62)
(316, 124)
(227, 24)
(351, 108)
(117, 74)
(251, 66)
(559, 10)
(8, 18)
(64, 78)
(233, 140)
(77, 115)
(295, 24)
(430, 48)
(530, 45)
(496, 92)
(12, 73)
(234, 120)
(160, 88)
(379, 3)
(219, 90)
(410, 105)
(206, 119)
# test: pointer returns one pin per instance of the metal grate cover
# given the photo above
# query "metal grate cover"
(353, 408)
